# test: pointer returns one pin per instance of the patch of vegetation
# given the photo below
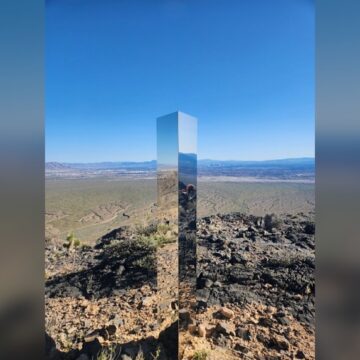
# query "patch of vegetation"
(133, 254)
(200, 355)
(72, 241)
(145, 230)
(140, 355)
(156, 235)
(156, 356)
(146, 263)
(110, 353)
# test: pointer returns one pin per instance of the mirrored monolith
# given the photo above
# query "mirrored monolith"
(176, 252)
(187, 126)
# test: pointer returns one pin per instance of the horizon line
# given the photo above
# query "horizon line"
(204, 159)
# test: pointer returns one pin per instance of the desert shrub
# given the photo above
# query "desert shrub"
(134, 254)
(163, 228)
(145, 230)
(72, 241)
(152, 240)
(271, 221)
(156, 235)
(140, 355)
(200, 355)
(146, 262)
(110, 353)
(156, 356)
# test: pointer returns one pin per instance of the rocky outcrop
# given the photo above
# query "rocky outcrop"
(255, 293)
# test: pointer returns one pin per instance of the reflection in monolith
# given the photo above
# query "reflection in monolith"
(176, 252)
(167, 250)
(187, 226)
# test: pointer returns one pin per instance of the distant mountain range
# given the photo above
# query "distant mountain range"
(279, 162)
(102, 165)
(204, 163)
(297, 169)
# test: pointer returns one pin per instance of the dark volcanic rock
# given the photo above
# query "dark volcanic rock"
(243, 333)
(280, 257)
(309, 228)
(126, 264)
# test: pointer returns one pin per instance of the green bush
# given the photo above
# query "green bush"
(72, 241)
(156, 235)
(200, 355)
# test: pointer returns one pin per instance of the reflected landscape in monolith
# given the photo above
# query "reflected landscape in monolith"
(187, 190)
(176, 257)
(167, 213)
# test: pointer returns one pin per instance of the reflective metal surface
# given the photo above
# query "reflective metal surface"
(176, 255)
(187, 225)
(167, 251)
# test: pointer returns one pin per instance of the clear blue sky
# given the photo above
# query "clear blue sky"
(244, 68)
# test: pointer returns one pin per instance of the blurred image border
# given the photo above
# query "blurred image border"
(22, 174)
(337, 179)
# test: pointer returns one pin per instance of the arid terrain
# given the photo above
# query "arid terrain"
(255, 297)
(254, 274)
(92, 207)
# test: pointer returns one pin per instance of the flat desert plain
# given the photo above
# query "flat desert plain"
(92, 207)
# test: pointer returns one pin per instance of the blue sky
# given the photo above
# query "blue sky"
(244, 68)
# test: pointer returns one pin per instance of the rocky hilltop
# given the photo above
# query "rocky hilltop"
(255, 297)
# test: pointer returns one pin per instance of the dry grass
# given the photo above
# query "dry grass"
(111, 353)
